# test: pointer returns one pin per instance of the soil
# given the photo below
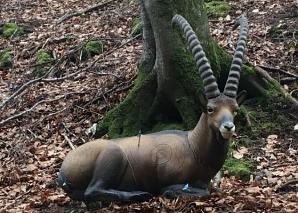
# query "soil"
(37, 125)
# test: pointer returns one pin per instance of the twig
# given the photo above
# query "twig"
(78, 13)
(105, 73)
(283, 186)
(19, 91)
(28, 110)
(278, 70)
(43, 79)
(49, 80)
(116, 88)
(88, 110)
(28, 84)
(288, 80)
(69, 142)
(67, 130)
(271, 80)
(37, 80)
(50, 115)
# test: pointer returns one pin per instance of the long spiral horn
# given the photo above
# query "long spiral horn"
(232, 83)
(209, 81)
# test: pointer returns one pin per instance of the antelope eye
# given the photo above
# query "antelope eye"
(210, 110)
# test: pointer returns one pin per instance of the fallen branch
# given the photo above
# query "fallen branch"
(120, 87)
(50, 115)
(69, 142)
(19, 91)
(278, 70)
(286, 80)
(67, 130)
(43, 79)
(271, 80)
(28, 84)
(283, 186)
(78, 13)
(34, 81)
(27, 111)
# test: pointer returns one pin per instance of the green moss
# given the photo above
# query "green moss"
(131, 115)
(217, 8)
(248, 70)
(240, 168)
(6, 60)
(43, 56)
(270, 115)
(43, 60)
(137, 27)
(10, 29)
(91, 48)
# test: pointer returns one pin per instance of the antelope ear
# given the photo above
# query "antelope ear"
(241, 97)
(203, 100)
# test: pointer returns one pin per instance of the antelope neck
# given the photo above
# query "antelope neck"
(200, 138)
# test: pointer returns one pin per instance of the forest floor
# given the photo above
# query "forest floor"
(37, 124)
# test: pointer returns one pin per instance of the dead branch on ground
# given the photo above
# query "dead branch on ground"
(78, 13)
(69, 142)
(273, 69)
(15, 116)
(271, 80)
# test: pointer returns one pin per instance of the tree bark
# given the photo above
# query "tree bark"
(168, 86)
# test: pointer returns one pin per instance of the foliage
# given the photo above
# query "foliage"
(43, 56)
(217, 8)
(43, 59)
(137, 27)
(6, 59)
(238, 167)
(91, 48)
(11, 29)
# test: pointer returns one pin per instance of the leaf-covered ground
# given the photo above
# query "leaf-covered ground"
(37, 124)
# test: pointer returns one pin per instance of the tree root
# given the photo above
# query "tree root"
(272, 81)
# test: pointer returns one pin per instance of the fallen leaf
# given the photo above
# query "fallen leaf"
(238, 154)
(253, 190)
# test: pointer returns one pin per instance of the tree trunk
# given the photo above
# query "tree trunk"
(168, 86)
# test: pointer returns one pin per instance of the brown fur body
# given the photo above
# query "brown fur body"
(154, 161)
(134, 168)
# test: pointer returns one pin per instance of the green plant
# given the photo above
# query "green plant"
(91, 48)
(137, 27)
(9, 29)
(6, 59)
(43, 57)
(238, 167)
(43, 60)
(217, 8)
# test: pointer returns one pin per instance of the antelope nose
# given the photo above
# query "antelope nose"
(229, 126)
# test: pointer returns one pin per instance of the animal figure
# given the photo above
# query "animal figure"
(169, 162)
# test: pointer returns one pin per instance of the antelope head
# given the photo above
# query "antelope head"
(219, 106)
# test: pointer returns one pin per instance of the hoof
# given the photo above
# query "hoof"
(143, 196)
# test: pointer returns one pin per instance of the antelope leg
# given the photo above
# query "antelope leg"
(176, 190)
(109, 170)
(116, 195)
